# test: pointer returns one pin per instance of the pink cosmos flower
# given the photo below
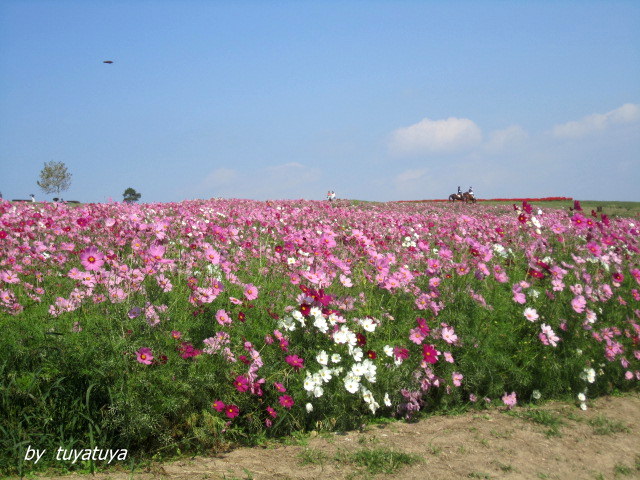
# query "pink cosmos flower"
(286, 401)
(218, 406)
(279, 387)
(222, 317)
(250, 292)
(212, 255)
(91, 258)
(578, 304)
(272, 412)
(144, 356)
(509, 400)
(457, 378)
(518, 296)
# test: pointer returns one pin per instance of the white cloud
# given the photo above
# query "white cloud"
(508, 137)
(435, 136)
(627, 113)
(219, 177)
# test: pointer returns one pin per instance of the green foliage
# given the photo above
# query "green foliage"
(542, 417)
(54, 177)
(382, 460)
(605, 426)
(131, 196)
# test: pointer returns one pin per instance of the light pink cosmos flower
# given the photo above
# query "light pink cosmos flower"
(448, 335)
(457, 378)
(509, 400)
(346, 281)
(531, 314)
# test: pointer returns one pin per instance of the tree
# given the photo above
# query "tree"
(54, 178)
(130, 195)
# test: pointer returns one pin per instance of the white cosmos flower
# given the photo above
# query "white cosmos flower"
(368, 324)
(309, 407)
(321, 324)
(536, 222)
(325, 374)
(582, 397)
(358, 369)
(318, 391)
(288, 324)
(351, 384)
(291, 260)
(536, 394)
(387, 400)
(589, 374)
(388, 350)
(335, 358)
(583, 406)
(356, 353)
(340, 337)
(309, 384)
(315, 312)
(322, 358)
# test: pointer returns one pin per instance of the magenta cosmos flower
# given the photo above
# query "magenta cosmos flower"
(295, 361)
(286, 401)
(91, 258)
(144, 356)
(231, 411)
(429, 354)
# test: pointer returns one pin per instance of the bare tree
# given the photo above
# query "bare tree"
(54, 177)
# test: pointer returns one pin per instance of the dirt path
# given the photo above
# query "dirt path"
(557, 441)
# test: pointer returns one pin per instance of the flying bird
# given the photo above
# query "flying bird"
(107, 61)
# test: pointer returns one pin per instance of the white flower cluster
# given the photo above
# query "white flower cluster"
(410, 241)
(362, 368)
(500, 250)
(588, 375)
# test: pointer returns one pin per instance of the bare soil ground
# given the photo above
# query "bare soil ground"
(554, 441)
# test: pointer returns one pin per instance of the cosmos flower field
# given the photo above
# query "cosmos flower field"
(189, 326)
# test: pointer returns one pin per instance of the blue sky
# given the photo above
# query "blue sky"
(376, 100)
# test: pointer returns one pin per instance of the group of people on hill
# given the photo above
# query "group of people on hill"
(331, 195)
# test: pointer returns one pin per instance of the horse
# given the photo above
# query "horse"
(456, 196)
(468, 197)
